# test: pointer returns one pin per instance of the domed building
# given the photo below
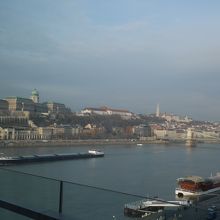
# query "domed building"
(32, 104)
(35, 96)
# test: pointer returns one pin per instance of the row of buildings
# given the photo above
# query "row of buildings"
(16, 123)
(16, 114)
(72, 132)
(38, 133)
(175, 127)
(142, 132)
(178, 131)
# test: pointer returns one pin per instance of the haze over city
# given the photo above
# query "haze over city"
(125, 54)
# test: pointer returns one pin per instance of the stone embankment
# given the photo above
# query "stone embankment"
(90, 142)
(94, 142)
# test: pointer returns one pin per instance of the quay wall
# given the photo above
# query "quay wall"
(90, 142)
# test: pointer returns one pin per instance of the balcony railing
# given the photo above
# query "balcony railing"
(33, 196)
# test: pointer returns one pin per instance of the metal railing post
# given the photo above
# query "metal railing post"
(61, 197)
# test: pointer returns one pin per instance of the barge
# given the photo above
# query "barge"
(47, 157)
(192, 186)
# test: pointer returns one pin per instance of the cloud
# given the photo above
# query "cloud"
(80, 52)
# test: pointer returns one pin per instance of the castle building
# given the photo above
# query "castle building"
(31, 105)
(20, 104)
(54, 107)
(26, 104)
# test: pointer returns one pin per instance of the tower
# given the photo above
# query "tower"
(190, 138)
(158, 111)
(35, 96)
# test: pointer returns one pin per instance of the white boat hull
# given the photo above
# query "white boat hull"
(185, 193)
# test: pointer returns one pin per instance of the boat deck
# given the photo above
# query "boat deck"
(146, 208)
(46, 157)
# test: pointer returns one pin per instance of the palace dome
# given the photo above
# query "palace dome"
(35, 93)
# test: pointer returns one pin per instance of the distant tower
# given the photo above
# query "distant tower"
(158, 111)
(189, 134)
(35, 96)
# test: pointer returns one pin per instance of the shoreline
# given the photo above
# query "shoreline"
(92, 142)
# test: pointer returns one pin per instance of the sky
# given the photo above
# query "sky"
(125, 54)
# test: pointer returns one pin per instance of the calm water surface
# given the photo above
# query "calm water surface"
(148, 170)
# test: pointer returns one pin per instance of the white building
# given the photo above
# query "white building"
(171, 134)
(177, 118)
(108, 111)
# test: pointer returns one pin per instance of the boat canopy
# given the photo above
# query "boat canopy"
(195, 179)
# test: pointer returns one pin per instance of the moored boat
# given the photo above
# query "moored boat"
(149, 208)
(196, 186)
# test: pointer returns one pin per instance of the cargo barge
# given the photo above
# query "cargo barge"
(47, 157)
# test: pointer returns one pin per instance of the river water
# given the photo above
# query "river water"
(148, 170)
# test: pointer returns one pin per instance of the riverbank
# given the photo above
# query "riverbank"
(90, 142)
(95, 142)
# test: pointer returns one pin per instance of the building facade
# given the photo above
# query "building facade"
(3, 105)
(45, 133)
(20, 104)
(54, 107)
(13, 120)
(25, 134)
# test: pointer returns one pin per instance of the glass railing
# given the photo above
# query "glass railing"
(29, 190)
(85, 202)
(73, 200)
(8, 215)
(43, 194)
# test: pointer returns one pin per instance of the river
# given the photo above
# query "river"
(148, 170)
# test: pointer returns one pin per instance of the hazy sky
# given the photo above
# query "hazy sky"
(129, 54)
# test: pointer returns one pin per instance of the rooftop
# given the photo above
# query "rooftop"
(16, 97)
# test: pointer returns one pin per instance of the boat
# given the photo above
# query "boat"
(139, 144)
(7, 160)
(150, 208)
(96, 152)
(196, 186)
